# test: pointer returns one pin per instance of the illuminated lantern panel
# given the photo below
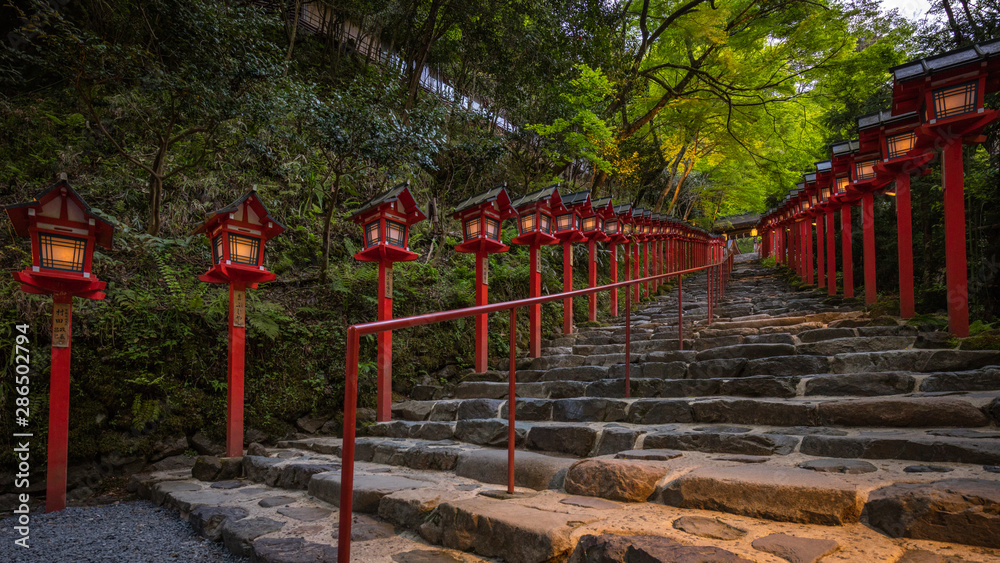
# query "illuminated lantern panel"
(590, 223)
(955, 100)
(395, 233)
(825, 193)
(372, 236)
(244, 249)
(493, 228)
(472, 225)
(753, 232)
(527, 223)
(842, 184)
(865, 169)
(805, 205)
(812, 199)
(59, 252)
(899, 145)
(564, 222)
(611, 227)
(546, 221)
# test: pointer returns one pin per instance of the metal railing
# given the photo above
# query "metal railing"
(717, 276)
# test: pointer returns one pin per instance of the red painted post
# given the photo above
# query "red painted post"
(567, 286)
(645, 269)
(680, 313)
(511, 400)
(535, 311)
(638, 272)
(846, 245)
(831, 253)
(820, 248)
(383, 400)
(614, 279)
(956, 267)
(808, 229)
(234, 379)
(55, 477)
(592, 279)
(347, 468)
(628, 341)
(708, 283)
(868, 239)
(482, 321)
(904, 234)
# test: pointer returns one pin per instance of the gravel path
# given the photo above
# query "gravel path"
(132, 532)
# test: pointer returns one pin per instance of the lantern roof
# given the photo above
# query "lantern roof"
(809, 178)
(908, 88)
(624, 209)
(845, 148)
(399, 194)
(824, 166)
(603, 207)
(885, 118)
(496, 195)
(42, 205)
(250, 210)
(548, 195)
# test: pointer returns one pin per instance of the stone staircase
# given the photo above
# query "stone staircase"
(791, 428)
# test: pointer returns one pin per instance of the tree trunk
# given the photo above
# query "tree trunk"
(688, 164)
(331, 204)
(294, 31)
(952, 23)
(156, 187)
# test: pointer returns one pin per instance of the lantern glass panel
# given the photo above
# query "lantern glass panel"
(564, 222)
(217, 249)
(865, 170)
(244, 249)
(842, 184)
(546, 222)
(825, 192)
(60, 252)
(472, 228)
(395, 233)
(492, 228)
(899, 145)
(527, 223)
(611, 227)
(372, 236)
(955, 100)
(590, 223)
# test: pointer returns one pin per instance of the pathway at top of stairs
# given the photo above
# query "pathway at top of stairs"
(793, 428)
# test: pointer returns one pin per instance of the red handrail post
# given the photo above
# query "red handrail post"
(628, 341)
(708, 282)
(347, 448)
(511, 401)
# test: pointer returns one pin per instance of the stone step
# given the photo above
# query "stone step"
(966, 409)
(830, 385)
(826, 492)
(583, 439)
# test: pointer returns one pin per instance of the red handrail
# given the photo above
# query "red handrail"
(355, 332)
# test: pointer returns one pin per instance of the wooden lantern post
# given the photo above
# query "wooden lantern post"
(593, 227)
(842, 156)
(535, 225)
(616, 227)
(385, 220)
(569, 230)
(63, 231)
(481, 217)
(237, 234)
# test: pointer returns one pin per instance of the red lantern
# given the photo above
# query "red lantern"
(63, 231)
(481, 217)
(237, 234)
(385, 221)
(535, 226)
(569, 229)
(617, 227)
